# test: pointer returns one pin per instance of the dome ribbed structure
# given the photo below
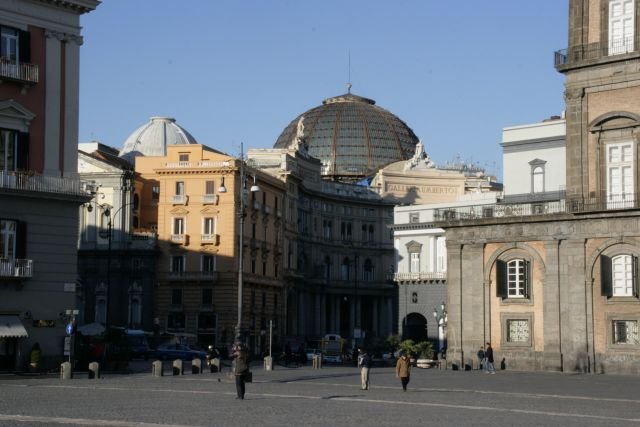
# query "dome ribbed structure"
(152, 138)
(352, 137)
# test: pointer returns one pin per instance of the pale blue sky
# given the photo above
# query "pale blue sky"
(241, 70)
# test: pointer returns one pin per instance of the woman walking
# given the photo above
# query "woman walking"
(403, 370)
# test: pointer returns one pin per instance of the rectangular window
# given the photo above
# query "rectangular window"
(414, 264)
(206, 321)
(516, 278)
(209, 187)
(176, 296)
(208, 226)
(8, 237)
(178, 226)
(175, 321)
(8, 150)
(441, 254)
(180, 188)
(414, 217)
(155, 192)
(625, 332)
(177, 264)
(622, 275)
(621, 26)
(620, 187)
(207, 296)
(518, 331)
(208, 264)
(183, 157)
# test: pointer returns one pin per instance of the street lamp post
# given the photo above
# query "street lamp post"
(241, 215)
(441, 318)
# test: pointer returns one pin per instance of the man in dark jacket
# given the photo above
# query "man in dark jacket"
(240, 368)
(488, 355)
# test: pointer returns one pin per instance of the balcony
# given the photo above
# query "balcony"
(210, 199)
(17, 268)
(30, 181)
(193, 276)
(179, 199)
(209, 239)
(595, 52)
(179, 239)
(200, 164)
(499, 210)
(419, 276)
(22, 72)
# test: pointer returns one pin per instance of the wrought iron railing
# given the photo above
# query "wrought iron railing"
(593, 51)
(31, 181)
(422, 275)
(16, 267)
(18, 71)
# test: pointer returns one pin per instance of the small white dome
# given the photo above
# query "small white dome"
(152, 138)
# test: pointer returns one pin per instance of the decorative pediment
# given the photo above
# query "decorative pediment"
(179, 211)
(209, 210)
(614, 120)
(14, 116)
(537, 162)
(413, 246)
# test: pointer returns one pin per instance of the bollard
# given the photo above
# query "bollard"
(94, 370)
(196, 366)
(157, 368)
(317, 361)
(215, 365)
(177, 367)
(65, 371)
(268, 363)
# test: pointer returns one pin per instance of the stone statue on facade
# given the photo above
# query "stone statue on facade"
(299, 142)
(420, 158)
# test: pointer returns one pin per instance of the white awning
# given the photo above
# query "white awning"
(11, 326)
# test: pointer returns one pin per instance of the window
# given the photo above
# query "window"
(101, 310)
(621, 23)
(183, 157)
(209, 187)
(13, 239)
(207, 296)
(368, 271)
(155, 192)
(371, 233)
(177, 264)
(327, 267)
(8, 150)
(175, 321)
(253, 266)
(208, 264)
(625, 332)
(414, 297)
(135, 311)
(208, 226)
(414, 217)
(344, 269)
(537, 179)
(620, 188)
(364, 232)
(619, 275)
(345, 231)
(176, 296)
(180, 188)
(207, 321)
(14, 45)
(414, 262)
(178, 226)
(441, 254)
(327, 228)
(513, 278)
(518, 331)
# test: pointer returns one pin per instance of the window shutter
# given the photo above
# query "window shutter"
(501, 279)
(527, 278)
(22, 161)
(606, 284)
(25, 46)
(635, 276)
(21, 240)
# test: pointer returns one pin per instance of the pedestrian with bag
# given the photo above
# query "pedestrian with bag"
(481, 357)
(240, 368)
(364, 361)
(403, 370)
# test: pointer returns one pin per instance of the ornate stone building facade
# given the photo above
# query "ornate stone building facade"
(558, 290)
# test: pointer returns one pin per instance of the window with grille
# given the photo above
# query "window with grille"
(625, 332)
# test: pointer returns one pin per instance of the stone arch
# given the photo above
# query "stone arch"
(610, 247)
(415, 327)
(518, 249)
(614, 120)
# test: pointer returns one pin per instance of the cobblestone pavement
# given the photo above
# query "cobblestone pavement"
(329, 396)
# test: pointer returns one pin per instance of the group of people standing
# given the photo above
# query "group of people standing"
(485, 356)
(403, 369)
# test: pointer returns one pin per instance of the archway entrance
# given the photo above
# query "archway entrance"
(415, 327)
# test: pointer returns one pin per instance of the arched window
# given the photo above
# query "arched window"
(368, 271)
(538, 179)
(344, 269)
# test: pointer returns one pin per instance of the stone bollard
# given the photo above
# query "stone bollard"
(94, 370)
(65, 371)
(317, 361)
(215, 366)
(268, 363)
(177, 367)
(157, 368)
(196, 366)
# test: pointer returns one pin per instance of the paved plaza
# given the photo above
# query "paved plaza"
(329, 396)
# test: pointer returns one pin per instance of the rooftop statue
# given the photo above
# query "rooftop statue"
(420, 158)
(299, 142)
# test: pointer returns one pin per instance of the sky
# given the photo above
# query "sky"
(232, 71)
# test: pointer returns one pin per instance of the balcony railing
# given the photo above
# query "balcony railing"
(422, 275)
(193, 275)
(594, 51)
(211, 239)
(179, 199)
(16, 267)
(200, 164)
(30, 181)
(210, 199)
(18, 71)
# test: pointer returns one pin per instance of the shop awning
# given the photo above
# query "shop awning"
(11, 326)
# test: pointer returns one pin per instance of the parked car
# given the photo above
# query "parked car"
(178, 351)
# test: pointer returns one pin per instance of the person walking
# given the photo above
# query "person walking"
(34, 358)
(364, 361)
(403, 370)
(240, 368)
(481, 357)
(488, 360)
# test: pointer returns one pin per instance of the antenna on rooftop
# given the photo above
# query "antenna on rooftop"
(349, 76)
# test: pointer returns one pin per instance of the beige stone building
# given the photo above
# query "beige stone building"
(557, 288)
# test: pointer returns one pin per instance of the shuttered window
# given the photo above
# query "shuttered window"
(513, 279)
(619, 276)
